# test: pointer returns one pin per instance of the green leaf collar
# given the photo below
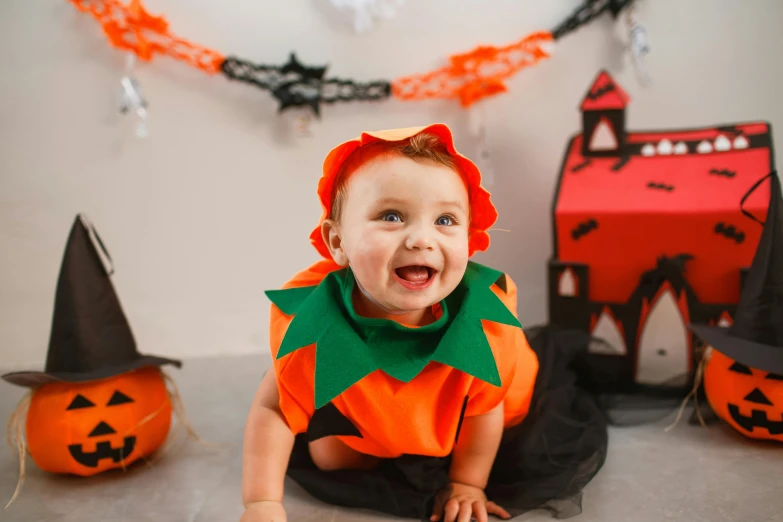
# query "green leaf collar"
(349, 347)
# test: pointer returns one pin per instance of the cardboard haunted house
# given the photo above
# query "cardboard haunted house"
(653, 231)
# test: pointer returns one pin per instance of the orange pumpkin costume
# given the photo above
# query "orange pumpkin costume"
(401, 392)
(420, 416)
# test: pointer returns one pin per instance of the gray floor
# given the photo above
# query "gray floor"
(688, 474)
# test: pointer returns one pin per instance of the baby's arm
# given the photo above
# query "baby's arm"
(471, 463)
(476, 448)
(267, 449)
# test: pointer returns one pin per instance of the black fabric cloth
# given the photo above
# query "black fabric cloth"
(542, 463)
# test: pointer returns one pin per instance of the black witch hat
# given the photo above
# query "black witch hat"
(90, 338)
(755, 338)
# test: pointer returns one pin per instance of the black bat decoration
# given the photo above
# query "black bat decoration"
(728, 129)
(588, 11)
(584, 228)
(620, 164)
(660, 186)
(301, 85)
(601, 91)
(666, 268)
(678, 261)
(298, 85)
(723, 172)
(730, 231)
(580, 166)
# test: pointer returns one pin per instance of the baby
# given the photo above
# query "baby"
(400, 368)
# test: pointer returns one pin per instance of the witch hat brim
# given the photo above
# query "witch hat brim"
(750, 353)
(90, 337)
(36, 379)
(755, 338)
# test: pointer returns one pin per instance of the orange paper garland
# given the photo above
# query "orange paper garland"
(131, 28)
(468, 77)
(476, 74)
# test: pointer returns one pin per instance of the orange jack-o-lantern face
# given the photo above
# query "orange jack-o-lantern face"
(86, 428)
(750, 400)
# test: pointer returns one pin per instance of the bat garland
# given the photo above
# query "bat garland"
(587, 12)
(468, 77)
(296, 85)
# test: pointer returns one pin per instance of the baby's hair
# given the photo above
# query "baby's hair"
(422, 148)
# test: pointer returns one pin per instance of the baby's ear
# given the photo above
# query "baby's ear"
(330, 232)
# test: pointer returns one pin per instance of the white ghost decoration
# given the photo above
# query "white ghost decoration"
(365, 10)
(478, 129)
(640, 47)
(131, 98)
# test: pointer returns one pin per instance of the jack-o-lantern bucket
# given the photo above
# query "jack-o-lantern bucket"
(99, 404)
(743, 378)
(86, 428)
(750, 400)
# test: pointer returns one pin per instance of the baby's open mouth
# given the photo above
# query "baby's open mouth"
(415, 275)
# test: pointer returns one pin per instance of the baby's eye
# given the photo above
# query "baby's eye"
(391, 217)
(445, 221)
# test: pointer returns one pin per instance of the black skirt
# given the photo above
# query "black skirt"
(542, 463)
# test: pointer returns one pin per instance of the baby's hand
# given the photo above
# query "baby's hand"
(463, 503)
(264, 511)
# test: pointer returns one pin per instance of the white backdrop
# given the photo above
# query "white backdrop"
(216, 204)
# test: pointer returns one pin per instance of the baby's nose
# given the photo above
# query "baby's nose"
(419, 239)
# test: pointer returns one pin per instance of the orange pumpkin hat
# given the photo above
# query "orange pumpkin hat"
(482, 212)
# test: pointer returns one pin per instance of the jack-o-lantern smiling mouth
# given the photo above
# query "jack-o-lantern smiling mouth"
(757, 419)
(103, 449)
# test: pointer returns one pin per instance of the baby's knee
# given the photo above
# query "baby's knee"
(322, 454)
(330, 454)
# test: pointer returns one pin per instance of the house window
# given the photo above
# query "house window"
(567, 286)
(607, 337)
(603, 137)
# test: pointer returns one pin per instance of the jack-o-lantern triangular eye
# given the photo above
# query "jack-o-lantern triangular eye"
(740, 368)
(775, 377)
(80, 401)
(118, 398)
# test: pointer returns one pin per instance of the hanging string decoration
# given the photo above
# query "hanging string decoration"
(468, 77)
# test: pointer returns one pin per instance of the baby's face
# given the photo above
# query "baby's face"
(404, 231)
